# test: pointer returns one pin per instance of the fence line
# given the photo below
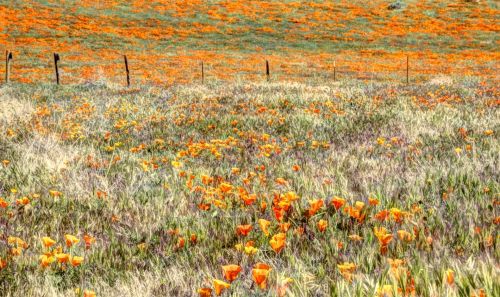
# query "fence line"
(284, 70)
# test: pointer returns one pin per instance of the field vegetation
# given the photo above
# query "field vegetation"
(250, 189)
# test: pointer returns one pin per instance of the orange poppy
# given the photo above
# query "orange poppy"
(277, 242)
(48, 242)
(71, 240)
(88, 241)
(322, 224)
(450, 277)
(220, 286)
(405, 235)
(373, 201)
(3, 203)
(260, 273)
(225, 187)
(384, 238)
(314, 206)
(264, 225)
(243, 230)
(205, 292)
(337, 202)
(76, 261)
(62, 257)
(231, 272)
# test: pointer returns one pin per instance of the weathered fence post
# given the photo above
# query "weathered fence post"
(56, 61)
(407, 69)
(334, 71)
(202, 73)
(8, 58)
(126, 70)
(267, 71)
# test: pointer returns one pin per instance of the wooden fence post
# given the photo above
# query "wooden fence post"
(267, 71)
(126, 70)
(202, 73)
(407, 69)
(334, 71)
(56, 61)
(8, 59)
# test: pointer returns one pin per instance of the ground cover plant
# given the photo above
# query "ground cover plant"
(166, 40)
(250, 189)
(365, 164)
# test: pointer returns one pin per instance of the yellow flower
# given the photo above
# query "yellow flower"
(250, 250)
(62, 257)
(220, 286)
(76, 261)
(264, 224)
(88, 293)
(46, 260)
(48, 242)
(71, 240)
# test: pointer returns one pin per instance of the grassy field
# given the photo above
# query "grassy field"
(326, 189)
(302, 185)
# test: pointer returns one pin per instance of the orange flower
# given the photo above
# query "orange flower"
(488, 132)
(48, 242)
(346, 270)
(314, 206)
(382, 215)
(277, 242)
(46, 260)
(181, 242)
(284, 227)
(384, 238)
(243, 230)
(373, 201)
(281, 181)
(71, 240)
(220, 286)
(260, 272)
(88, 293)
(337, 202)
(231, 272)
(397, 214)
(3, 203)
(405, 235)
(322, 224)
(3, 263)
(62, 257)
(450, 277)
(279, 213)
(88, 240)
(264, 224)
(76, 261)
(295, 167)
(225, 187)
(478, 293)
(249, 199)
(205, 292)
(23, 201)
(206, 180)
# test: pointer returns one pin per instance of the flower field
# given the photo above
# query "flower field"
(333, 176)
(303, 40)
(251, 189)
